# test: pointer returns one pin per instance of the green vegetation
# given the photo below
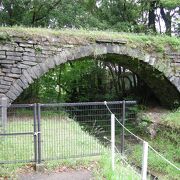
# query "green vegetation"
(172, 119)
(122, 170)
(142, 41)
(128, 16)
(66, 137)
(80, 22)
(166, 142)
(156, 165)
(67, 140)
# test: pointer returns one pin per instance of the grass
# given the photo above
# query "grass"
(79, 36)
(122, 171)
(166, 143)
(70, 140)
(172, 119)
(62, 138)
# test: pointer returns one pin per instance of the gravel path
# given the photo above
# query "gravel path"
(70, 175)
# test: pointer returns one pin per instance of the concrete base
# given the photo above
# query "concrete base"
(39, 168)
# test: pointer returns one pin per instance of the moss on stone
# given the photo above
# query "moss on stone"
(149, 43)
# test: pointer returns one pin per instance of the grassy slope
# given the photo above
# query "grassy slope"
(166, 142)
(61, 137)
(172, 119)
(145, 42)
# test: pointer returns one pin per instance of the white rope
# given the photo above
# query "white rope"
(164, 158)
(105, 103)
(122, 124)
(123, 159)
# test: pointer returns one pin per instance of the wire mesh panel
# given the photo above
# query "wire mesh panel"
(76, 129)
(1, 120)
(59, 131)
(17, 138)
(128, 147)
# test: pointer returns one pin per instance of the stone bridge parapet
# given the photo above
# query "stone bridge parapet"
(24, 60)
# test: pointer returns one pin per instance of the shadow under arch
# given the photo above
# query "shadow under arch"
(130, 58)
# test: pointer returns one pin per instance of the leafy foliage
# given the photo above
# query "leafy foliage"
(128, 16)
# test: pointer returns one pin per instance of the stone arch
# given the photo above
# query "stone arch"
(131, 58)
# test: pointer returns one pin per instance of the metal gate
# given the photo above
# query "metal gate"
(40, 132)
(18, 141)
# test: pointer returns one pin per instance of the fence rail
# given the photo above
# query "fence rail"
(41, 132)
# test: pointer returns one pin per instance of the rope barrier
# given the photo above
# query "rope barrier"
(123, 159)
(164, 158)
(105, 103)
(122, 124)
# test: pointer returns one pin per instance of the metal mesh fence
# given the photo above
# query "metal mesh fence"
(78, 129)
(16, 139)
(36, 133)
(1, 120)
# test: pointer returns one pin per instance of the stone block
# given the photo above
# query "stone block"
(11, 95)
(31, 50)
(15, 58)
(8, 66)
(23, 66)
(7, 47)
(152, 61)
(13, 75)
(8, 83)
(26, 45)
(2, 56)
(30, 63)
(28, 54)
(3, 90)
(8, 79)
(2, 52)
(18, 87)
(32, 73)
(50, 63)
(24, 81)
(14, 91)
(28, 77)
(43, 67)
(102, 49)
(6, 61)
(10, 53)
(29, 58)
(2, 86)
(21, 84)
(16, 70)
(6, 70)
(38, 70)
(19, 49)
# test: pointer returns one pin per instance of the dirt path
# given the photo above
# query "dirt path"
(69, 175)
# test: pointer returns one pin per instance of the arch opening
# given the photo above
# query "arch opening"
(162, 88)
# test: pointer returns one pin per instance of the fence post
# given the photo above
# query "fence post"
(39, 132)
(113, 141)
(145, 160)
(3, 105)
(39, 166)
(123, 122)
(35, 132)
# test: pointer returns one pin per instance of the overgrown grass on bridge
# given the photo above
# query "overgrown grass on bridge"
(78, 36)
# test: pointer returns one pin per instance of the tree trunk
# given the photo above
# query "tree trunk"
(152, 16)
(167, 20)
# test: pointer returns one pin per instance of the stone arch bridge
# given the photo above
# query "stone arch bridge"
(24, 58)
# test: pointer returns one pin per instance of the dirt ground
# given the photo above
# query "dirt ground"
(68, 175)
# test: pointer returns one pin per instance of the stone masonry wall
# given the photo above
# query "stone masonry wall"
(23, 61)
